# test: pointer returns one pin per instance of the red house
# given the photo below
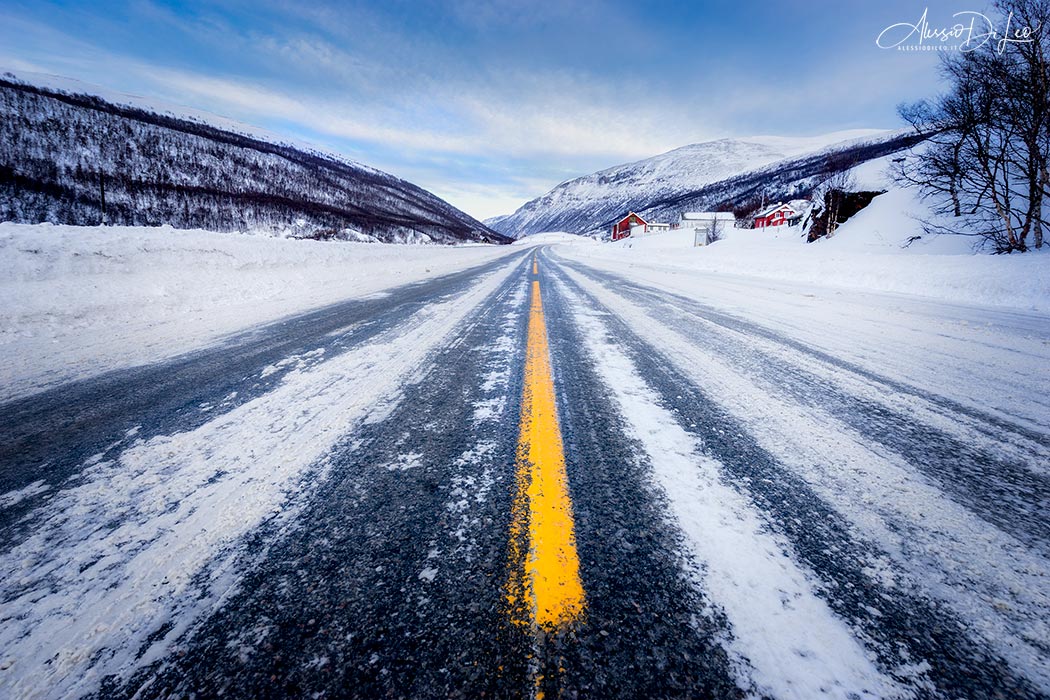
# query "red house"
(622, 228)
(776, 215)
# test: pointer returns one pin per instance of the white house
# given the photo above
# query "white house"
(648, 228)
(708, 226)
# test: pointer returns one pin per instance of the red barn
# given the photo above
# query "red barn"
(622, 228)
(776, 215)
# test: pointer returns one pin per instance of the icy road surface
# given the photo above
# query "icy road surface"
(545, 476)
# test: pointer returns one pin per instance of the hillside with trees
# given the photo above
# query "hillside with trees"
(77, 159)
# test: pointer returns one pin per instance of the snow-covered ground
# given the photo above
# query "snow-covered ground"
(871, 252)
(76, 301)
(554, 237)
(877, 309)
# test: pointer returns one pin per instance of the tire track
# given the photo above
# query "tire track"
(151, 541)
(917, 640)
(1000, 489)
(47, 438)
(388, 585)
(648, 631)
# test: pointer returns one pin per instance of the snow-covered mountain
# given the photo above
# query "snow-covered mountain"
(727, 174)
(64, 156)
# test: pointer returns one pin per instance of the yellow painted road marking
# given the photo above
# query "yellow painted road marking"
(535, 269)
(544, 587)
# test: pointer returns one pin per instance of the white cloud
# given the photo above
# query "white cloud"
(479, 200)
(554, 121)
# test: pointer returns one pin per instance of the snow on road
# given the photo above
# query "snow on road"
(858, 478)
(986, 357)
(79, 300)
(941, 542)
(123, 562)
(788, 643)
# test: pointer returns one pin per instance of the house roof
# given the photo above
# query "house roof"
(708, 215)
(629, 215)
(776, 207)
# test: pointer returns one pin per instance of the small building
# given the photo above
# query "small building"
(777, 215)
(623, 227)
(688, 219)
(653, 227)
(707, 226)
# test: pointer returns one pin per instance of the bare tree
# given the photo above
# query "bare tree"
(716, 231)
(985, 164)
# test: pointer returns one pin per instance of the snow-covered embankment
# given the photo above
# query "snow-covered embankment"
(76, 301)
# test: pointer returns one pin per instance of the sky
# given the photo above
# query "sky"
(489, 104)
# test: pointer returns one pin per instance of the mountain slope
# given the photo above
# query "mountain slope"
(63, 155)
(728, 174)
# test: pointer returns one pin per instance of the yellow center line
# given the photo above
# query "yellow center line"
(544, 587)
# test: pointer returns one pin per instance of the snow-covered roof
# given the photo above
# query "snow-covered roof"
(776, 207)
(629, 215)
(708, 216)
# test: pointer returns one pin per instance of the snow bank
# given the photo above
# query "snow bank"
(870, 252)
(550, 237)
(76, 301)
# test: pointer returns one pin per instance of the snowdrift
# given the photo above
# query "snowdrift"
(75, 301)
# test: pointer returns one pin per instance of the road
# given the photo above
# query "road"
(544, 477)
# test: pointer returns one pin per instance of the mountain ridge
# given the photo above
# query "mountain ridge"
(708, 175)
(64, 156)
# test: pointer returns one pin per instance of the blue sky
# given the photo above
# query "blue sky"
(489, 104)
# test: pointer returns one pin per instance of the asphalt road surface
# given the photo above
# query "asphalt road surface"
(539, 478)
